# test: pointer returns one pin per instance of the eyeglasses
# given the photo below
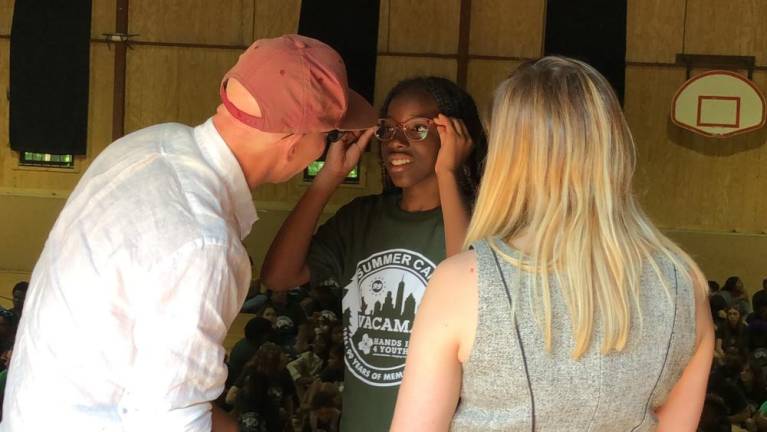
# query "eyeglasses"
(333, 136)
(415, 129)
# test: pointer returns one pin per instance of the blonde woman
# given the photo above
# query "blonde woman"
(572, 312)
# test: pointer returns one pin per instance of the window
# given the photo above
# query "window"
(314, 168)
(46, 160)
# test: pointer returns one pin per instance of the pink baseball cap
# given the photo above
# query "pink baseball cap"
(300, 85)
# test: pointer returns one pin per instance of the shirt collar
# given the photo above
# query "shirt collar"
(225, 164)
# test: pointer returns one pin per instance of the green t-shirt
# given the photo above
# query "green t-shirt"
(383, 257)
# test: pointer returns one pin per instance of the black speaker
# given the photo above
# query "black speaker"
(351, 28)
(593, 31)
(49, 71)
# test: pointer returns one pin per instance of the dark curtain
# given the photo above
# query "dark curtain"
(593, 31)
(49, 69)
(351, 28)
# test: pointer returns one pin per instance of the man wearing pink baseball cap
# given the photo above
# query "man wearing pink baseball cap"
(144, 270)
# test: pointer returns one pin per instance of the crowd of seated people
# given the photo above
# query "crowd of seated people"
(294, 375)
(737, 387)
(286, 374)
(9, 320)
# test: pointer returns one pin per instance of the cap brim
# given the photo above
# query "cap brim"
(359, 113)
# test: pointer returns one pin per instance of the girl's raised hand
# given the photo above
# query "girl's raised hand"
(455, 144)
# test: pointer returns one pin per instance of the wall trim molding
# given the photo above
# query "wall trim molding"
(35, 193)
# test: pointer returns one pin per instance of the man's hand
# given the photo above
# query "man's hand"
(343, 155)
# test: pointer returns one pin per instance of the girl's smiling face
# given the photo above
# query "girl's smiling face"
(408, 162)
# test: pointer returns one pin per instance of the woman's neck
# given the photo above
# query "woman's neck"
(523, 241)
(421, 197)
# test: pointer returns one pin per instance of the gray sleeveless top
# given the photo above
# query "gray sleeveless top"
(511, 383)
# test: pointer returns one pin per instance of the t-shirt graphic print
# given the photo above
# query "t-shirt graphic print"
(379, 307)
(383, 257)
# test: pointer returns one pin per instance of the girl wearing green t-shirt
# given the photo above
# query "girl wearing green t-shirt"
(382, 248)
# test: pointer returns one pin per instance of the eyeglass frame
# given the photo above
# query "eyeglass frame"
(401, 127)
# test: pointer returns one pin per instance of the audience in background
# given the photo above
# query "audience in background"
(737, 398)
(759, 299)
(9, 321)
(257, 331)
(738, 297)
(19, 294)
(733, 333)
(264, 394)
(287, 373)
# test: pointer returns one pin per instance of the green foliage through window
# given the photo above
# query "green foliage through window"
(47, 160)
(314, 168)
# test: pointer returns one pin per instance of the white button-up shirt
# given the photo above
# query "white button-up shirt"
(138, 283)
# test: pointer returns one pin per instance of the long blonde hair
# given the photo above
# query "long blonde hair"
(560, 164)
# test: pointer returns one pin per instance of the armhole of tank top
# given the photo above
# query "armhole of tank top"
(662, 372)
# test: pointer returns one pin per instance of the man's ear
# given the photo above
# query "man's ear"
(291, 141)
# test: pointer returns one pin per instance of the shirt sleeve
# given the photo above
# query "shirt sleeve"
(188, 301)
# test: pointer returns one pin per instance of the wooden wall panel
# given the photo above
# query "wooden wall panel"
(735, 27)
(383, 26)
(390, 70)
(5, 150)
(721, 255)
(686, 181)
(102, 17)
(511, 28)
(275, 17)
(31, 219)
(483, 78)
(424, 26)
(101, 99)
(6, 16)
(173, 84)
(227, 22)
(654, 30)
